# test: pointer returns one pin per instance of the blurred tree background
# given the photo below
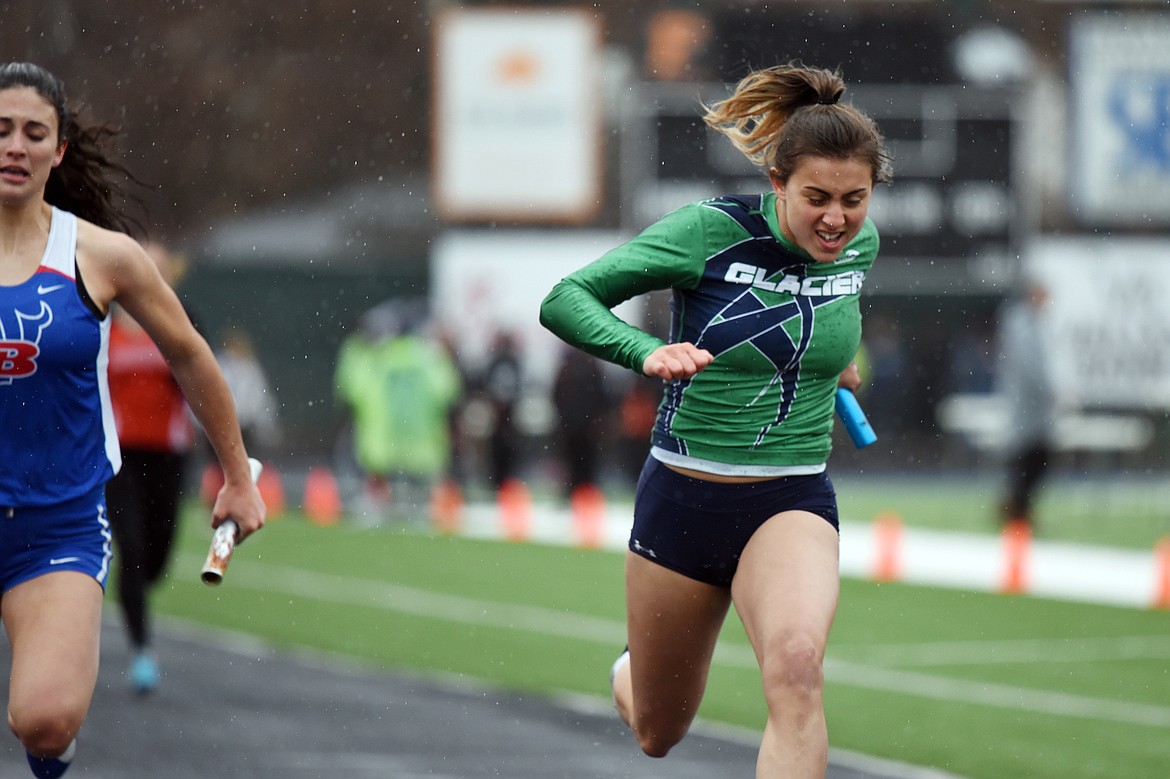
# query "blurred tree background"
(229, 107)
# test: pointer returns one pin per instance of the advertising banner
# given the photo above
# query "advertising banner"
(1119, 77)
(517, 115)
(1109, 319)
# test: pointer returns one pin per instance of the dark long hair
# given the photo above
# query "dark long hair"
(88, 182)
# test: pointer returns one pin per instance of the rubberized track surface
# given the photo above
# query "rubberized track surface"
(229, 708)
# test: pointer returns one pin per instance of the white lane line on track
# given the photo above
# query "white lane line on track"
(943, 688)
(387, 596)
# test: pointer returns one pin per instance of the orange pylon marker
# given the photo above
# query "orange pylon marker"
(587, 508)
(1162, 574)
(515, 506)
(271, 490)
(322, 502)
(1017, 549)
(887, 540)
(446, 507)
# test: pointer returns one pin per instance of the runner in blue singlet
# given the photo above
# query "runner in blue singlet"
(65, 258)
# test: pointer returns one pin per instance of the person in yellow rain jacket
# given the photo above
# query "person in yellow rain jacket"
(399, 386)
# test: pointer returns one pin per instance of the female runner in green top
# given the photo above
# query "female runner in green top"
(734, 505)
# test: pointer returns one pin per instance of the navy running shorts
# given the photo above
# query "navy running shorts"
(700, 528)
(73, 536)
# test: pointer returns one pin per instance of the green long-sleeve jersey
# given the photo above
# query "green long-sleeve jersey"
(780, 326)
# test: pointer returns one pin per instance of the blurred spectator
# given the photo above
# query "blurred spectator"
(1026, 384)
(501, 383)
(460, 465)
(884, 369)
(639, 407)
(972, 360)
(255, 402)
(579, 394)
(255, 410)
(155, 434)
(398, 386)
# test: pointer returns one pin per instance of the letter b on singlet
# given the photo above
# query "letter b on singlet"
(17, 360)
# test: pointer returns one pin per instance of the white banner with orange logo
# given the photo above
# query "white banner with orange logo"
(517, 115)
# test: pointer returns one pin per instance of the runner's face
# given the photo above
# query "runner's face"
(29, 147)
(822, 205)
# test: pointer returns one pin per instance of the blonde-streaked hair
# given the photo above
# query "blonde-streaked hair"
(780, 114)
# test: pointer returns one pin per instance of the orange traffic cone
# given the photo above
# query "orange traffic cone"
(446, 506)
(887, 539)
(1162, 574)
(271, 490)
(515, 505)
(1017, 548)
(322, 502)
(587, 507)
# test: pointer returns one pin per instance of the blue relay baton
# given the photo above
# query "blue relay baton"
(854, 418)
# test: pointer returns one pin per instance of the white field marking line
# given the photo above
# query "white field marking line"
(1026, 650)
(263, 577)
(997, 695)
(965, 691)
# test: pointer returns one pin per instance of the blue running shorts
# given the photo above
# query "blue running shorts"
(700, 528)
(72, 536)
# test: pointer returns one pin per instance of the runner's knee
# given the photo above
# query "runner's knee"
(45, 733)
(793, 672)
(657, 739)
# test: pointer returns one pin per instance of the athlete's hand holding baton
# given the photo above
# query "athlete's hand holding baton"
(854, 419)
(224, 540)
(849, 409)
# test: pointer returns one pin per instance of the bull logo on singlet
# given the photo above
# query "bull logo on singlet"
(20, 338)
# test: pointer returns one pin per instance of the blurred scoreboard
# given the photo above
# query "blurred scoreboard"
(951, 222)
